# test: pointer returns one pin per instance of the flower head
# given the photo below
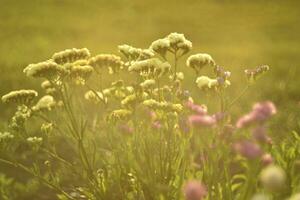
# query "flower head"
(79, 71)
(47, 69)
(260, 113)
(19, 96)
(112, 62)
(248, 149)
(179, 42)
(201, 120)
(71, 55)
(267, 159)
(147, 83)
(6, 136)
(295, 197)
(198, 61)
(161, 46)
(35, 140)
(150, 68)
(194, 190)
(45, 103)
(273, 178)
(253, 74)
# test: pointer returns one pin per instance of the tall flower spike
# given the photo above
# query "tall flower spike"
(47, 69)
(113, 62)
(71, 55)
(198, 61)
(20, 96)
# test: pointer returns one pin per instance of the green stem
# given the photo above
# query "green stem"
(45, 181)
(243, 92)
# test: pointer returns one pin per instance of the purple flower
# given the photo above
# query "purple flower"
(248, 149)
(194, 190)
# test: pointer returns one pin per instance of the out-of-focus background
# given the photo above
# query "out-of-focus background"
(238, 34)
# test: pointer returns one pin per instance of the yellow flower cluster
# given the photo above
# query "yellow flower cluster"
(19, 96)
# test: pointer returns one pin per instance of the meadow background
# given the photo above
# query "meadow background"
(238, 34)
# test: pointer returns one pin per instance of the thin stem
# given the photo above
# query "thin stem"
(243, 92)
(175, 65)
(45, 181)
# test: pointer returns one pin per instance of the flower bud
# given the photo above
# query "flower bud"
(273, 178)
(194, 190)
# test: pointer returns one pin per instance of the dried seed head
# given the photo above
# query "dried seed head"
(71, 55)
(254, 74)
(19, 96)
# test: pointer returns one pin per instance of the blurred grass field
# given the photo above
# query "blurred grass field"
(238, 34)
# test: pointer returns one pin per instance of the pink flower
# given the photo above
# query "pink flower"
(126, 129)
(194, 190)
(264, 110)
(156, 125)
(248, 149)
(259, 133)
(267, 159)
(198, 109)
(201, 120)
(245, 121)
(260, 113)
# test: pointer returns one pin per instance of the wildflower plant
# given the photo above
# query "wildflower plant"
(144, 136)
